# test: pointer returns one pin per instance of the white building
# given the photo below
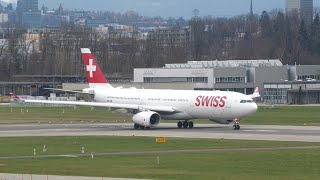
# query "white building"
(234, 75)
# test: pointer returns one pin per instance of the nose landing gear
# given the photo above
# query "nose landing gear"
(236, 125)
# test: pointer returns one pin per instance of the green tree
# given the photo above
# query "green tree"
(265, 24)
(315, 35)
(280, 36)
(303, 36)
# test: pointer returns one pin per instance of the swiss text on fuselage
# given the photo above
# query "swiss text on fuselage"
(211, 101)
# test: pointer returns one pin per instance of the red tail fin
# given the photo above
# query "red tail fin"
(94, 74)
(256, 93)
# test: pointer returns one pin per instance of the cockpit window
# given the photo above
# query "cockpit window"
(247, 101)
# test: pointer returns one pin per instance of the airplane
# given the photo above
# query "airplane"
(150, 106)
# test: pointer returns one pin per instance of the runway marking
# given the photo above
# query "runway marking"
(261, 130)
(72, 156)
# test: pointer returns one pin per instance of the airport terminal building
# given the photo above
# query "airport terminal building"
(298, 92)
(278, 83)
(235, 75)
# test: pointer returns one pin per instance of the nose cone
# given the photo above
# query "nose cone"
(253, 108)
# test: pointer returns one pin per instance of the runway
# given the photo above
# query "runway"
(247, 132)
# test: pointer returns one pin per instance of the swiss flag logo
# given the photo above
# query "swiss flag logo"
(91, 68)
(94, 74)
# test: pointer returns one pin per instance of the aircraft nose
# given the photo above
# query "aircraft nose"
(253, 108)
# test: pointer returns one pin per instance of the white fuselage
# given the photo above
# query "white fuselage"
(188, 104)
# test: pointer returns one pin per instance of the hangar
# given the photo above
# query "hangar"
(296, 92)
(233, 75)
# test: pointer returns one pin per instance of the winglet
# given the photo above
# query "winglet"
(94, 74)
(256, 93)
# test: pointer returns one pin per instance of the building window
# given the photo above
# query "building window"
(306, 77)
(147, 79)
(200, 80)
(175, 79)
(275, 93)
(230, 80)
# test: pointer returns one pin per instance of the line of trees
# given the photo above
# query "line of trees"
(271, 35)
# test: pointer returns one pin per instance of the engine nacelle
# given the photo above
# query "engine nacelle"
(221, 121)
(147, 118)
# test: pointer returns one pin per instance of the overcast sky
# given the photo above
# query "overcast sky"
(175, 8)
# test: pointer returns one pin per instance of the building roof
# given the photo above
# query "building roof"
(227, 63)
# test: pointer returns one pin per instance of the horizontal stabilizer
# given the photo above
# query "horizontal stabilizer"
(69, 91)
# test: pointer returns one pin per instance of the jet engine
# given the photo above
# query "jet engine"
(221, 121)
(147, 118)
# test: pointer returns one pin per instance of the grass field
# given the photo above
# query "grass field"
(98, 144)
(284, 164)
(285, 115)
(59, 114)
(282, 115)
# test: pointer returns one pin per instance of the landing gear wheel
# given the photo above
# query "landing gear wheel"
(136, 126)
(142, 127)
(185, 124)
(190, 124)
(236, 125)
(179, 124)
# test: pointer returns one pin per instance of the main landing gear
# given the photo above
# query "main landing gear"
(236, 125)
(185, 124)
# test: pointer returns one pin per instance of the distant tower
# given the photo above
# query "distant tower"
(303, 7)
(251, 9)
(60, 9)
(196, 13)
(251, 21)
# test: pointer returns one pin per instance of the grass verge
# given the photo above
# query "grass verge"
(277, 164)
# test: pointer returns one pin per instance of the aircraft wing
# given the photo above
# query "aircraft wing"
(68, 91)
(110, 105)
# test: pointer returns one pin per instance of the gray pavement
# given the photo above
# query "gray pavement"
(247, 132)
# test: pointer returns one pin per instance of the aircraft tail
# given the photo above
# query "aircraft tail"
(256, 93)
(94, 74)
(14, 97)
